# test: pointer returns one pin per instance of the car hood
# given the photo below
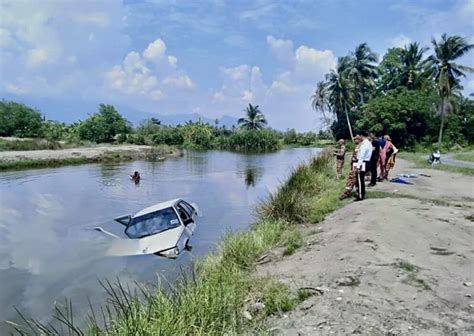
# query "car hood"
(147, 245)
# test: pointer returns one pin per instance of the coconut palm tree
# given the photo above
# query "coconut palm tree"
(339, 88)
(255, 119)
(445, 71)
(320, 101)
(361, 70)
(413, 68)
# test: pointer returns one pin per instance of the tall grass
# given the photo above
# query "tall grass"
(28, 144)
(220, 295)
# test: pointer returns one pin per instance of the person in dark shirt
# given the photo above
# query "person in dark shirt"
(135, 177)
(374, 159)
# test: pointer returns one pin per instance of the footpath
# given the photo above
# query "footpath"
(399, 263)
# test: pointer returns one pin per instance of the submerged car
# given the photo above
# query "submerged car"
(163, 229)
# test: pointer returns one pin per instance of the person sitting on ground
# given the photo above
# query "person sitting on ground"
(340, 158)
(351, 178)
(135, 177)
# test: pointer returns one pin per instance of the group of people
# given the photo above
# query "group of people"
(372, 156)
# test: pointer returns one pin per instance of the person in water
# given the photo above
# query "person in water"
(135, 177)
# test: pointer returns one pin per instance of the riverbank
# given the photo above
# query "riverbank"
(222, 294)
(10, 160)
(397, 263)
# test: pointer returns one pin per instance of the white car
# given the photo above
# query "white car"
(163, 229)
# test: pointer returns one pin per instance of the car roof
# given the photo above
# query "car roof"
(156, 207)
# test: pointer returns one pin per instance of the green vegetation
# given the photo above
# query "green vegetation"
(28, 144)
(154, 153)
(294, 241)
(19, 120)
(420, 160)
(108, 126)
(104, 125)
(222, 292)
(254, 119)
(412, 272)
(468, 156)
(411, 96)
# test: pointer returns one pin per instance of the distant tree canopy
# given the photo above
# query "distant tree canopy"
(104, 125)
(358, 86)
(404, 114)
(19, 120)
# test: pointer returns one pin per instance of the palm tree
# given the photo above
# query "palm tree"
(338, 86)
(413, 66)
(255, 119)
(445, 71)
(320, 101)
(361, 70)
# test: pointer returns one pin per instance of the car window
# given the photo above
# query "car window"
(152, 223)
(187, 206)
(183, 212)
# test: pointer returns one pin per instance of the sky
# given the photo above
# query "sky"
(211, 57)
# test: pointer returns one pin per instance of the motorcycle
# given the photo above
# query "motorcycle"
(435, 158)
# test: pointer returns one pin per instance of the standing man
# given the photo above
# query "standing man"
(374, 159)
(340, 158)
(351, 178)
(363, 160)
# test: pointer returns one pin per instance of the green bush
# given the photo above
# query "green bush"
(250, 140)
(104, 125)
(19, 120)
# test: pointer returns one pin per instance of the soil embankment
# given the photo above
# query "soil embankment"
(398, 264)
(57, 157)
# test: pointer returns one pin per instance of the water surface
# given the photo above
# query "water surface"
(48, 251)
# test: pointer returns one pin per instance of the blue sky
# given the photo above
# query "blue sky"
(208, 57)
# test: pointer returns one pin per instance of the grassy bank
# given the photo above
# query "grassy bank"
(223, 296)
(420, 160)
(28, 144)
(158, 152)
(468, 156)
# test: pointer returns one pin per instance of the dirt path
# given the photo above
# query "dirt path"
(60, 154)
(387, 266)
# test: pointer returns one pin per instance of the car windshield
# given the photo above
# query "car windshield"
(152, 223)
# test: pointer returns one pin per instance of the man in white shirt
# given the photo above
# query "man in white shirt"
(363, 161)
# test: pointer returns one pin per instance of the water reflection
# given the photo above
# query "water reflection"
(252, 175)
(48, 250)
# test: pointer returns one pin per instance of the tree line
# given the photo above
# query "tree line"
(414, 96)
(107, 125)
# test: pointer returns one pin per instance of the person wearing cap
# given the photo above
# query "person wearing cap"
(340, 158)
(351, 178)
(363, 162)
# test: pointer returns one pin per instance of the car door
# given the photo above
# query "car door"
(186, 216)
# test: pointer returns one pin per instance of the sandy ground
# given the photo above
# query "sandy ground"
(391, 266)
(59, 154)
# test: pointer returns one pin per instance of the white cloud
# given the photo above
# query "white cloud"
(38, 56)
(247, 96)
(311, 61)
(400, 41)
(181, 81)
(155, 50)
(95, 18)
(172, 61)
(138, 74)
(283, 49)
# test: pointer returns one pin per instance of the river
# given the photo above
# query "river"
(48, 251)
